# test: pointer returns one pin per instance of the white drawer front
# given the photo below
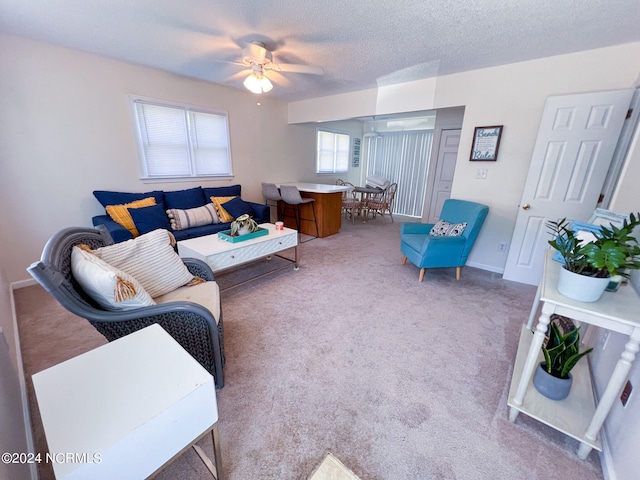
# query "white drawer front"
(247, 253)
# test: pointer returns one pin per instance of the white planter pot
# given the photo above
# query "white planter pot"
(581, 287)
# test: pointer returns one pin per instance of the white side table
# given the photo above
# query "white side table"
(127, 408)
(578, 415)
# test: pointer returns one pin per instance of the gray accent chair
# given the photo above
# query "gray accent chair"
(190, 324)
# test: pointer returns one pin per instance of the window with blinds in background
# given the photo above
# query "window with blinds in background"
(180, 141)
(333, 152)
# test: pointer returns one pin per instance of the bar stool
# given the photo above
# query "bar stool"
(271, 192)
(291, 198)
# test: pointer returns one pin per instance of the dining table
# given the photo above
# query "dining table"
(365, 193)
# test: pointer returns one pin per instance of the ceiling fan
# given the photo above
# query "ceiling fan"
(259, 63)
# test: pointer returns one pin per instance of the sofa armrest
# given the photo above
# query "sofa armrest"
(262, 212)
(118, 232)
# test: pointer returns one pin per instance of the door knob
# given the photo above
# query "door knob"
(526, 206)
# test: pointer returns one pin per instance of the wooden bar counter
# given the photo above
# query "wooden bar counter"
(328, 206)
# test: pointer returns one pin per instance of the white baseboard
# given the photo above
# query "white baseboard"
(23, 283)
(21, 378)
(488, 268)
(606, 461)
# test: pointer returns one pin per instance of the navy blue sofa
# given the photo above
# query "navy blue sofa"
(150, 218)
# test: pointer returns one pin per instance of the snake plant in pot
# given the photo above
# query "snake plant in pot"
(589, 263)
(553, 377)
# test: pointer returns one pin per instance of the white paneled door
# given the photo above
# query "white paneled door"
(576, 140)
(445, 168)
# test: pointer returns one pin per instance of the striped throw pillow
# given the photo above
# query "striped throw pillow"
(113, 289)
(192, 217)
(150, 259)
(121, 215)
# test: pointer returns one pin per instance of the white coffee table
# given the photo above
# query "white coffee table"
(127, 408)
(221, 255)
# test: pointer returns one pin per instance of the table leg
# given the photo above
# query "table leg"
(532, 359)
(534, 309)
(613, 390)
(216, 471)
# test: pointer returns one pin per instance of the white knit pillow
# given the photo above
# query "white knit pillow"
(111, 288)
(151, 259)
(193, 217)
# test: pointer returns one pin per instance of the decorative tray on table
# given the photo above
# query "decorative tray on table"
(226, 235)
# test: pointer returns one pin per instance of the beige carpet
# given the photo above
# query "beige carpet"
(352, 355)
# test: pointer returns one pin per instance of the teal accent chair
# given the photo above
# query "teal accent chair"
(428, 251)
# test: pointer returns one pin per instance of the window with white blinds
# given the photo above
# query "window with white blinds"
(181, 141)
(333, 152)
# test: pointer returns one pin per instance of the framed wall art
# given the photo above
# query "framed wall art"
(486, 142)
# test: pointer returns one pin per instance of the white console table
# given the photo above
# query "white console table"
(577, 415)
(127, 408)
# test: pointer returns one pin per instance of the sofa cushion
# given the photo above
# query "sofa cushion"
(236, 207)
(222, 213)
(110, 287)
(192, 217)
(120, 213)
(229, 191)
(183, 199)
(148, 219)
(118, 198)
(206, 294)
(150, 259)
(445, 229)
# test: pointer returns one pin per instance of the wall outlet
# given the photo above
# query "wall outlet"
(502, 247)
(626, 393)
(481, 173)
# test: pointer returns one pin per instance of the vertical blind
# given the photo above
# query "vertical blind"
(403, 158)
(180, 142)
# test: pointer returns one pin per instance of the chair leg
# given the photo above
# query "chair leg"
(404, 260)
(421, 274)
(458, 273)
(315, 220)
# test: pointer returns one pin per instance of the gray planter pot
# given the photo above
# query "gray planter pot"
(551, 387)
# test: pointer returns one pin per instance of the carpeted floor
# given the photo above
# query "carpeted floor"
(352, 355)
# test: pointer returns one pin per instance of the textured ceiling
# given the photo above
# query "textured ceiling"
(358, 43)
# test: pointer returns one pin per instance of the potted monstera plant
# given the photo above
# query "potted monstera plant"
(589, 264)
(553, 377)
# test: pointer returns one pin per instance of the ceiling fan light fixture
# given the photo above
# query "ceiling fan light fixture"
(257, 83)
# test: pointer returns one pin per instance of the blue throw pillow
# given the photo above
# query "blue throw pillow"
(120, 198)
(148, 219)
(185, 199)
(237, 207)
(230, 191)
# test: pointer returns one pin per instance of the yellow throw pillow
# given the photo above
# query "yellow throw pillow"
(222, 213)
(121, 215)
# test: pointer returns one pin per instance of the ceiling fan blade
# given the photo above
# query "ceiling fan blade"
(296, 68)
(241, 75)
(279, 79)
